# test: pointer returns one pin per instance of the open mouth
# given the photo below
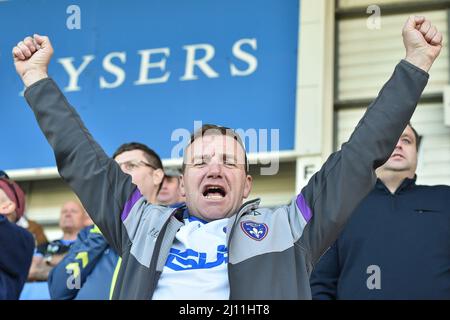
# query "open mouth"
(214, 192)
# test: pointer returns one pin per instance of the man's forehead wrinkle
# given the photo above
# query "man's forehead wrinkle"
(219, 154)
(210, 146)
(202, 151)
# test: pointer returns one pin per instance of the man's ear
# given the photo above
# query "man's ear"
(182, 190)
(158, 176)
(248, 186)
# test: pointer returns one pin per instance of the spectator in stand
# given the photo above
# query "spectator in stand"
(396, 245)
(35, 228)
(73, 218)
(170, 194)
(86, 272)
(165, 251)
(16, 243)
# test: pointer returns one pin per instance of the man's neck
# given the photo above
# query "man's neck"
(393, 180)
(150, 196)
(171, 202)
(70, 236)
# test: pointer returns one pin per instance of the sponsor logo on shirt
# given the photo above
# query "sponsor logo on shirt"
(190, 259)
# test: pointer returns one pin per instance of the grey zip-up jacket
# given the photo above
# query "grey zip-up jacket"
(274, 265)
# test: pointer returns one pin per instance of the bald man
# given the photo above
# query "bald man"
(73, 218)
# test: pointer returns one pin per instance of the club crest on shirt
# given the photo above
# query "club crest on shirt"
(256, 231)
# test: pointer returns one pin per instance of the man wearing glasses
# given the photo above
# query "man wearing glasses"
(93, 278)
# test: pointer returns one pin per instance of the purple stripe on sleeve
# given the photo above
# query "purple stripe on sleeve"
(303, 207)
(135, 196)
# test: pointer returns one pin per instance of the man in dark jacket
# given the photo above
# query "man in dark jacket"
(397, 243)
(16, 243)
(217, 247)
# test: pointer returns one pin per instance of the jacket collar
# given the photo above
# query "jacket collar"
(182, 212)
(407, 183)
(244, 209)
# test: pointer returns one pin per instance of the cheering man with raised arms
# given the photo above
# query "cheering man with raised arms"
(216, 246)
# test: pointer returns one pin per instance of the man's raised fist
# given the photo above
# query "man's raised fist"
(423, 42)
(31, 58)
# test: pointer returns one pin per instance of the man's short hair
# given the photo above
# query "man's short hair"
(416, 134)
(212, 129)
(172, 172)
(152, 157)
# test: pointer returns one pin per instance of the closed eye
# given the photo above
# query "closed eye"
(199, 162)
(230, 162)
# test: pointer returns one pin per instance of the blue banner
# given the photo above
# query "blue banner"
(147, 70)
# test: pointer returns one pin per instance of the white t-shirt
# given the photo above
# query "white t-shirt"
(197, 266)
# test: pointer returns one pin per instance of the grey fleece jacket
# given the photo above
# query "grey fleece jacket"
(278, 265)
